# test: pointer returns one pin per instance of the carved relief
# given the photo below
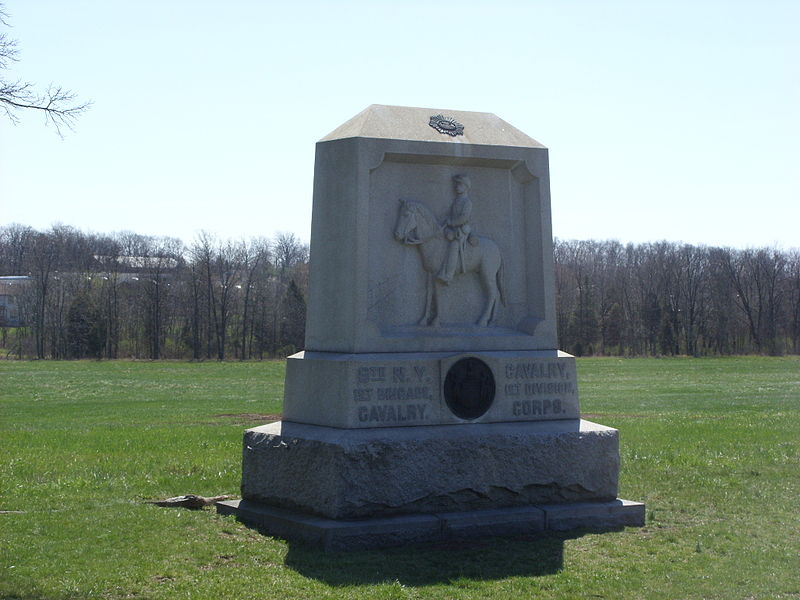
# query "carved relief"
(446, 125)
(451, 249)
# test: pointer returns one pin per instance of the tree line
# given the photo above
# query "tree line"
(132, 296)
(676, 299)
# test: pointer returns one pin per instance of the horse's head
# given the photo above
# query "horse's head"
(405, 230)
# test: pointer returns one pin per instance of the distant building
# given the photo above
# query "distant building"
(123, 269)
(127, 269)
(139, 263)
(11, 288)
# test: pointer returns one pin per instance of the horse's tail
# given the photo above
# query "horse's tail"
(500, 285)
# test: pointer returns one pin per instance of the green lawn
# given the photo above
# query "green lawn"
(711, 445)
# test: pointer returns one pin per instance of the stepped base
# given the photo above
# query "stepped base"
(338, 534)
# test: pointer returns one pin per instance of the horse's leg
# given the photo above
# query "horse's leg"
(434, 322)
(432, 255)
(429, 290)
(488, 277)
(497, 297)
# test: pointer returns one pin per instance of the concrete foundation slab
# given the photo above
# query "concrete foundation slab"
(594, 515)
(363, 534)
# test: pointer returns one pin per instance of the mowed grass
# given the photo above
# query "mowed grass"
(711, 445)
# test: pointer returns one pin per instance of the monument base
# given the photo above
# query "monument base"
(369, 473)
(381, 532)
(406, 389)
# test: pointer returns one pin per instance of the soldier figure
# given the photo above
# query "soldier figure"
(457, 229)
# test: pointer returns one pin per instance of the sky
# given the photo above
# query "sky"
(674, 121)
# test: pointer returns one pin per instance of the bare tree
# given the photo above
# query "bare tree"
(793, 295)
(16, 242)
(228, 265)
(59, 106)
(109, 250)
(44, 261)
(756, 276)
(288, 251)
(254, 256)
(202, 252)
(160, 259)
(692, 267)
(222, 264)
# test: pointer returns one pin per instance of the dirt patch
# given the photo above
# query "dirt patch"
(593, 416)
(223, 560)
(250, 417)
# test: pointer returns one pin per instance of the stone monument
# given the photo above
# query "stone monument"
(431, 400)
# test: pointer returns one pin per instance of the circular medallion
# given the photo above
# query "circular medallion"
(469, 388)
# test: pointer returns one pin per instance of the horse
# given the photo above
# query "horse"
(417, 226)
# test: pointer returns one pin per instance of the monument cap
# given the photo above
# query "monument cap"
(432, 125)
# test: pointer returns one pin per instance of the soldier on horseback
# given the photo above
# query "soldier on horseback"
(443, 250)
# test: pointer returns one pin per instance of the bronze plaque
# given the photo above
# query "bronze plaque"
(469, 388)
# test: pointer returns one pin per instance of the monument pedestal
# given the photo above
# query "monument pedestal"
(354, 474)
(370, 488)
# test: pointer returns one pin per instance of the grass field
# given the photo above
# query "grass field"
(711, 445)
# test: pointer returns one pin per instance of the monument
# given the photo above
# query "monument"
(431, 400)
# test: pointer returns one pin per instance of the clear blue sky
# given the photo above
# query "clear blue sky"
(665, 120)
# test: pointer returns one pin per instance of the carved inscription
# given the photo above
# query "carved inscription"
(393, 395)
(389, 413)
(543, 389)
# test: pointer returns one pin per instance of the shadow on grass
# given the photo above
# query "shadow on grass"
(436, 563)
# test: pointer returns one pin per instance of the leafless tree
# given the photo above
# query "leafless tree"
(109, 251)
(59, 105)
(692, 272)
(288, 251)
(221, 265)
(793, 296)
(16, 242)
(161, 257)
(202, 252)
(44, 261)
(255, 257)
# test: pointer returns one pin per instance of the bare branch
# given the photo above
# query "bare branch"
(8, 51)
(57, 104)
(60, 107)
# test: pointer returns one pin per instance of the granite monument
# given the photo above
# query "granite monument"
(431, 399)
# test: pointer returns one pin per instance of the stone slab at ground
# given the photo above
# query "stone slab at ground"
(381, 532)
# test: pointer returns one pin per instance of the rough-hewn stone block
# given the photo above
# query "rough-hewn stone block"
(345, 474)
